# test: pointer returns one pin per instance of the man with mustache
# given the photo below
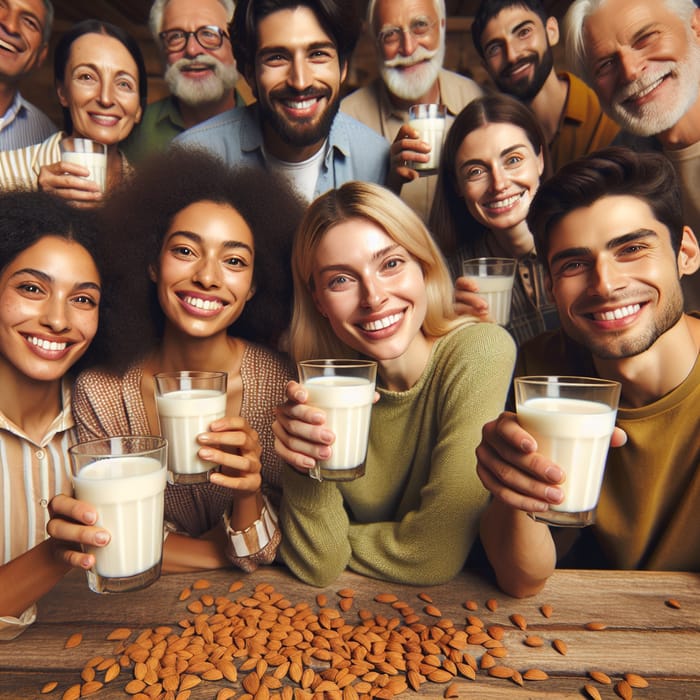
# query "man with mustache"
(25, 28)
(200, 71)
(294, 55)
(514, 39)
(610, 231)
(643, 61)
(410, 45)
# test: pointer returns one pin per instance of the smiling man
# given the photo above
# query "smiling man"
(610, 229)
(25, 28)
(643, 61)
(515, 39)
(294, 55)
(200, 71)
(410, 45)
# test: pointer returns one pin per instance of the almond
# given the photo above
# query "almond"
(471, 605)
(636, 681)
(72, 693)
(346, 593)
(112, 672)
(201, 584)
(73, 640)
(546, 610)
(535, 674)
(235, 586)
(385, 598)
(492, 604)
(432, 611)
(560, 646)
(592, 692)
(624, 690)
(533, 640)
(48, 687)
(518, 620)
(90, 687)
(425, 597)
(501, 672)
(600, 677)
(440, 676)
(119, 634)
(595, 626)
(452, 691)
(673, 603)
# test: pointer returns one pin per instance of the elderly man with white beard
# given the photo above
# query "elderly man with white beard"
(200, 71)
(643, 61)
(410, 42)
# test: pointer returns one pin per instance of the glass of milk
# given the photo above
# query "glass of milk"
(572, 419)
(124, 479)
(495, 279)
(88, 153)
(429, 120)
(344, 391)
(188, 403)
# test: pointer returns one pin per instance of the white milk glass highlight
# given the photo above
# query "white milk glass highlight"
(430, 121)
(124, 479)
(344, 391)
(495, 279)
(188, 403)
(572, 419)
(90, 154)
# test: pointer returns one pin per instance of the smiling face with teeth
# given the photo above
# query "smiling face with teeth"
(297, 78)
(49, 298)
(101, 89)
(498, 172)
(372, 292)
(22, 46)
(204, 274)
(615, 276)
(644, 63)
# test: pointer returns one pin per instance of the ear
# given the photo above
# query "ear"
(153, 274)
(695, 22)
(251, 292)
(551, 27)
(540, 162)
(138, 116)
(689, 253)
(343, 71)
(42, 56)
(61, 92)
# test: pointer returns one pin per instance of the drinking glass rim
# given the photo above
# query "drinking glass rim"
(84, 448)
(565, 380)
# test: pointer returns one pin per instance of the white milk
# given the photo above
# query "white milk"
(128, 495)
(575, 434)
(183, 415)
(347, 403)
(96, 163)
(432, 131)
(498, 291)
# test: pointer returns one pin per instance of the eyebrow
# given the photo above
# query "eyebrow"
(314, 46)
(504, 152)
(375, 256)
(196, 238)
(610, 245)
(45, 277)
(94, 66)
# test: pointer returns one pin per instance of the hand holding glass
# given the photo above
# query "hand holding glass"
(572, 419)
(124, 478)
(90, 154)
(344, 391)
(429, 121)
(495, 279)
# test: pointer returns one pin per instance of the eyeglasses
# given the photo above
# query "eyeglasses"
(391, 36)
(207, 37)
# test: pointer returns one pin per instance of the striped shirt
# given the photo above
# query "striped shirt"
(23, 124)
(31, 474)
(19, 169)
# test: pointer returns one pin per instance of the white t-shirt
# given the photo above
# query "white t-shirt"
(303, 175)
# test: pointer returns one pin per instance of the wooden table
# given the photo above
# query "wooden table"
(642, 634)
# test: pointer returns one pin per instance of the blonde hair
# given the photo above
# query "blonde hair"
(311, 335)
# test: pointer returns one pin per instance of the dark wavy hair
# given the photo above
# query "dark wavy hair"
(450, 221)
(488, 9)
(612, 171)
(27, 217)
(94, 26)
(137, 216)
(339, 20)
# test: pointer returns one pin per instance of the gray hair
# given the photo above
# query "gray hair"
(439, 8)
(48, 22)
(575, 20)
(155, 19)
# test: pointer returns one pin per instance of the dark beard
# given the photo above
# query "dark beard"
(524, 90)
(301, 133)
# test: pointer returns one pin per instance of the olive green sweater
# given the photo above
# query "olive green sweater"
(413, 516)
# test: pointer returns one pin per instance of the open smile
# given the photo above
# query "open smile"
(47, 348)
(107, 120)
(498, 206)
(7, 46)
(518, 70)
(640, 97)
(201, 306)
(383, 327)
(615, 318)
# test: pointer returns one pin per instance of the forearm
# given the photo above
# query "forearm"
(26, 579)
(520, 550)
(182, 554)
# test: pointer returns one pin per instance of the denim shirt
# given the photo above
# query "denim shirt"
(353, 151)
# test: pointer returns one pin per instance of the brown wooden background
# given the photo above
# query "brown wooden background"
(133, 16)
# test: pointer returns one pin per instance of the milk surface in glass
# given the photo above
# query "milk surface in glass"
(498, 292)
(347, 403)
(183, 415)
(96, 163)
(128, 495)
(575, 434)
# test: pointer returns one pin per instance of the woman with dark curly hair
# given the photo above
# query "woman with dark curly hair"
(200, 250)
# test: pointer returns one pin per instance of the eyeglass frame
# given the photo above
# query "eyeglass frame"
(381, 36)
(211, 27)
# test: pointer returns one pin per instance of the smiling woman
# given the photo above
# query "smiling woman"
(101, 84)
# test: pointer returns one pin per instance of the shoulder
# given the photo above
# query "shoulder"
(456, 90)
(355, 129)
(360, 99)
(218, 126)
(259, 358)
(95, 381)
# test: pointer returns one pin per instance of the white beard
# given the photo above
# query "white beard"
(210, 89)
(660, 115)
(422, 78)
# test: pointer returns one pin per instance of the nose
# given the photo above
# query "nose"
(299, 74)
(373, 294)
(192, 47)
(55, 315)
(631, 64)
(408, 43)
(604, 279)
(511, 51)
(9, 21)
(499, 178)
(106, 96)
(207, 274)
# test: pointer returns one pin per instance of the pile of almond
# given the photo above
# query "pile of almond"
(279, 650)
